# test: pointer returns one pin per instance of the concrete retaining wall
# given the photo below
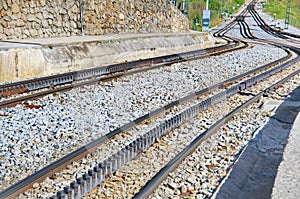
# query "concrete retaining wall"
(35, 61)
(60, 18)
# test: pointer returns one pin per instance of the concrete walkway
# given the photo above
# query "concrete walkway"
(57, 41)
(287, 182)
(253, 175)
(29, 58)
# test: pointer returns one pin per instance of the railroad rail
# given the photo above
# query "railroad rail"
(68, 81)
(93, 177)
(152, 184)
(73, 77)
(110, 165)
(83, 151)
(268, 29)
(278, 32)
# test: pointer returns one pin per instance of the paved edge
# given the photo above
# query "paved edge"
(28, 59)
(287, 182)
(72, 40)
(253, 174)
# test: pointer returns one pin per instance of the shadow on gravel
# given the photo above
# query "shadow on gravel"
(254, 173)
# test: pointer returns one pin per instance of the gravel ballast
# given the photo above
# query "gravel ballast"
(32, 138)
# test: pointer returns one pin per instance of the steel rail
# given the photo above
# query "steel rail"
(81, 152)
(18, 100)
(152, 184)
(70, 77)
(277, 30)
(27, 183)
(246, 28)
(110, 165)
(261, 22)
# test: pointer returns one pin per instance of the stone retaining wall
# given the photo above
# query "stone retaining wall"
(57, 18)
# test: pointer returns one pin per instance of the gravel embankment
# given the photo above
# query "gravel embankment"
(32, 138)
(66, 176)
(201, 173)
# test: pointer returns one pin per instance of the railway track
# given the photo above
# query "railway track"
(114, 161)
(98, 173)
(88, 147)
(141, 143)
(275, 32)
(157, 180)
(40, 87)
(292, 38)
(196, 152)
(83, 151)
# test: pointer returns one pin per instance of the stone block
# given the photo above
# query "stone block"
(48, 15)
(42, 3)
(75, 9)
(6, 18)
(62, 11)
(40, 16)
(26, 32)
(100, 17)
(9, 3)
(73, 24)
(33, 32)
(4, 5)
(31, 18)
(15, 8)
(45, 23)
(32, 4)
(20, 23)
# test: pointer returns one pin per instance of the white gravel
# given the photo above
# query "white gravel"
(32, 138)
(201, 173)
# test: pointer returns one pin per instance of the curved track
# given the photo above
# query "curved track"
(83, 151)
(67, 81)
(152, 184)
(64, 82)
(110, 165)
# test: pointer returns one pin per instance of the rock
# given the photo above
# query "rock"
(121, 16)
(98, 13)
(33, 32)
(173, 185)
(35, 185)
(15, 8)
(20, 23)
(45, 24)
(4, 4)
(74, 118)
(183, 189)
(6, 18)
(31, 18)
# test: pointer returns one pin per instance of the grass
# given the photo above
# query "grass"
(279, 8)
(196, 8)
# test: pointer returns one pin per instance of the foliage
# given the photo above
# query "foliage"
(278, 7)
(196, 8)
